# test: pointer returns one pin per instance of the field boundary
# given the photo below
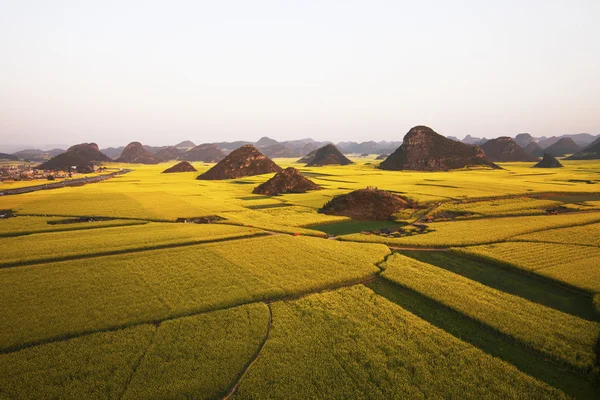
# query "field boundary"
(72, 229)
(251, 362)
(512, 267)
(493, 342)
(128, 251)
(198, 311)
(139, 361)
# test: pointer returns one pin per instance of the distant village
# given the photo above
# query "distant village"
(29, 172)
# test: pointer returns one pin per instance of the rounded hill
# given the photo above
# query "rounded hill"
(366, 204)
(287, 181)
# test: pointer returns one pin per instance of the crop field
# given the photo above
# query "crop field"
(372, 348)
(494, 299)
(186, 357)
(57, 246)
(559, 335)
(133, 288)
(480, 231)
(577, 266)
(587, 235)
(28, 225)
(497, 208)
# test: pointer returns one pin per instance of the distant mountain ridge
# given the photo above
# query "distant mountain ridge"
(301, 147)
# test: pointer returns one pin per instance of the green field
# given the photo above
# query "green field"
(495, 299)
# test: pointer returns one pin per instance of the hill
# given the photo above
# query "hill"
(185, 145)
(278, 150)
(473, 140)
(548, 162)
(206, 152)
(329, 155)
(425, 150)
(366, 204)
(4, 156)
(136, 153)
(265, 141)
(287, 181)
(230, 146)
(505, 149)
(245, 161)
(592, 152)
(308, 158)
(534, 149)
(370, 147)
(167, 154)
(183, 166)
(582, 139)
(80, 156)
(524, 139)
(113, 152)
(564, 146)
(37, 154)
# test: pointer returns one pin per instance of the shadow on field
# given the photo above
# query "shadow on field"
(506, 279)
(489, 340)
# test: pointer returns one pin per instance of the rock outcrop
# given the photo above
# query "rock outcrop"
(505, 149)
(135, 153)
(366, 204)
(183, 166)
(287, 181)
(80, 156)
(245, 161)
(548, 162)
(328, 155)
(425, 150)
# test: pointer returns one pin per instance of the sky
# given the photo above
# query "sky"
(161, 72)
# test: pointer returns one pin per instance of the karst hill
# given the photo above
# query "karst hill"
(425, 150)
(245, 161)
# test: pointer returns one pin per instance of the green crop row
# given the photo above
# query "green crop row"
(561, 336)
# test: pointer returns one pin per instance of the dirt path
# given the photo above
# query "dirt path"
(241, 376)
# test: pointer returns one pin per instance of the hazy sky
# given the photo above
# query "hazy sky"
(164, 71)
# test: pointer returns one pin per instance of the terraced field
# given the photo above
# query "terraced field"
(261, 304)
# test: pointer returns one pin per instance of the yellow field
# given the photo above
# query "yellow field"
(143, 307)
(577, 266)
